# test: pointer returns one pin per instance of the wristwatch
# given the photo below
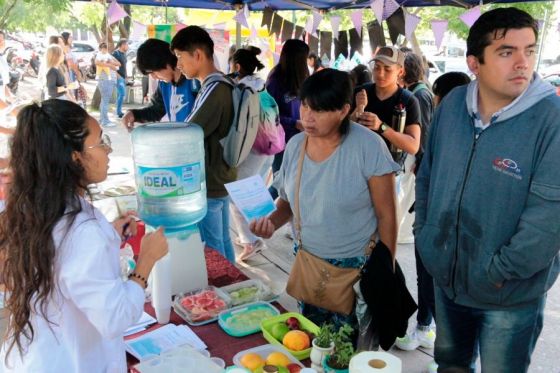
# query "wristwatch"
(383, 127)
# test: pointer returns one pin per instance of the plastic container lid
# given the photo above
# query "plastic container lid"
(249, 291)
(181, 359)
(201, 306)
(263, 351)
(246, 319)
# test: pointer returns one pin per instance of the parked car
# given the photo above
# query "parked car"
(554, 79)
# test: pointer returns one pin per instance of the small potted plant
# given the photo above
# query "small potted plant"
(339, 360)
(322, 345)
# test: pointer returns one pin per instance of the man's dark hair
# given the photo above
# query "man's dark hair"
(446, 82)
(328, 90)
(494, 25)
(191, 38)
(2, 33)
(121, 42)
(53, 39)
(413, 68)
(154, 55)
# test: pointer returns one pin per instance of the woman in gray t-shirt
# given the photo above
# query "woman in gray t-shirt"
(347, 183)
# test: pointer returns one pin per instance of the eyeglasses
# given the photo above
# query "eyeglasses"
(105, 142)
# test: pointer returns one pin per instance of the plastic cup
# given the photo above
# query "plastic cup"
(219, 362)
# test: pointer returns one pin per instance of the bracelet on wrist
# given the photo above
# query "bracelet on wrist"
(141, 278)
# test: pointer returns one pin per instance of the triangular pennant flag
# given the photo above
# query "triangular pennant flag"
(276, 25)
(317, 17)
(287, 30)
(325, 61)
(309, 25)
(377, 7)
(357, 20)
(395, 24)
(115, 13)
(356, 43)
(376, 36)
(267, 18)
(341, 44)
(439, 27)
(326, 43)
(411, 21)
(138, 31)
(254, 34)
(390, 7)
(313, 44)
(179, 27)
(470, 16)
(241, 17)
(335, 23)
(339, 61)
(299, 32)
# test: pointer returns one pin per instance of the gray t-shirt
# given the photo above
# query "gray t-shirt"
(337, 213)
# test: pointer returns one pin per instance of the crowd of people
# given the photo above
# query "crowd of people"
(474, 160)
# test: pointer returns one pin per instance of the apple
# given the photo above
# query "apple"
(294, 368)
(292, 323)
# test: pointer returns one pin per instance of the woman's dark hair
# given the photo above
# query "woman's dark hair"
(494, 25)
(360, 75)
(247, 59)
(191, 38)
(154, 55)
(413, 68)
(292, 70)
(65, 36)
(446, 82)
(316, 60)
(45, 186)
(53, 39)
(328, 90)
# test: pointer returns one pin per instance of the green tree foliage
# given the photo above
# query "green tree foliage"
(31, 15)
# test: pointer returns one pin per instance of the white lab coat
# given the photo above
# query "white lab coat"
(90, 308)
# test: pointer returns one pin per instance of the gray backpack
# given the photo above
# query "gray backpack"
(243, 131)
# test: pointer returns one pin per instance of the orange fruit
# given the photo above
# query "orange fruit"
(278, 359)
(296, 340)
(251, 361)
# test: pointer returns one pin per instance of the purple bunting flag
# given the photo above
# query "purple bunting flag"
(115, 13)
(470, 16)
(439, 27)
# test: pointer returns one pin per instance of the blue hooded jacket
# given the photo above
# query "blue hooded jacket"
(488, 207)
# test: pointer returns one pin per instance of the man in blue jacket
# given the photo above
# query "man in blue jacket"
(174, 98)
(488, 201)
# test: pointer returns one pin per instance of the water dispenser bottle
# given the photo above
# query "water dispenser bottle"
(170, 176)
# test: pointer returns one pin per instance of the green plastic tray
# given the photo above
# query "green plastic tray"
(234, 331)
(304, 323)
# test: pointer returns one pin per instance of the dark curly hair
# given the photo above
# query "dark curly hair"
(45, 187)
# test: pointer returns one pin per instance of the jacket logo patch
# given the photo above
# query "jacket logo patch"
(507, 167)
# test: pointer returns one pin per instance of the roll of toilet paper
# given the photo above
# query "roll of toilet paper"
(375, 362)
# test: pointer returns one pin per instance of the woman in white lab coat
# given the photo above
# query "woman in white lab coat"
(67, 302)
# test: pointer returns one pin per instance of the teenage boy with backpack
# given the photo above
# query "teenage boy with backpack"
(213, 111)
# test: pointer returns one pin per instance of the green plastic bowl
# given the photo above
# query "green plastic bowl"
(304, 323)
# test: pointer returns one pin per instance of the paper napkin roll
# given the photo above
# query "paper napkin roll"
(375, 362)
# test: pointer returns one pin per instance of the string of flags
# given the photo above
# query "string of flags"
(398, 20)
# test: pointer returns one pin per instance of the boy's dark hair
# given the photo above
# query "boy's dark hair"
(121, 42)
(446, 82)
(247, 59)
(53, 39)
(413, 68)
(328, 90)
(494, 25)
(191, 38)
(360, 75)
(154, 55)
(102, 45)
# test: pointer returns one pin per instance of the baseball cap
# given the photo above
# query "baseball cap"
(389, 56)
